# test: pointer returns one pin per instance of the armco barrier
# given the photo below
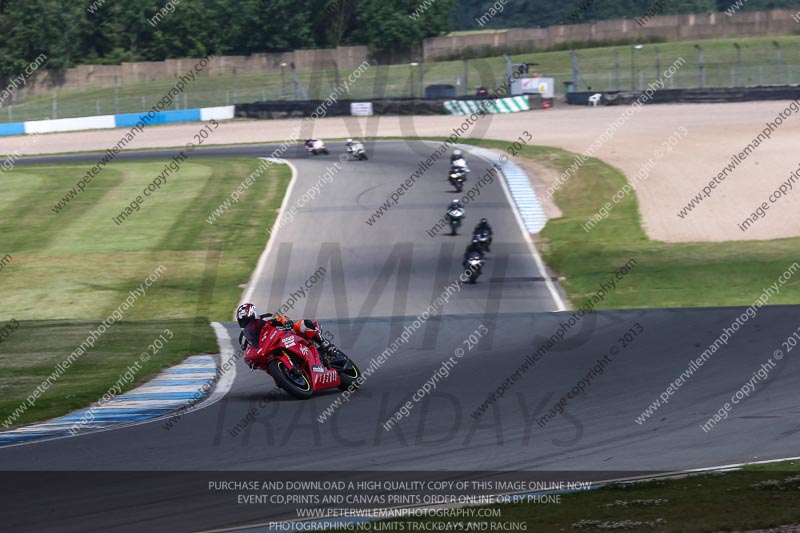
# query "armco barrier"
(70, 124)
(14, 128)
(217, 113)
(127, 120)
(708, 95)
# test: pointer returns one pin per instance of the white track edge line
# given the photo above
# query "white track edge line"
(262, 261)
(527, 237)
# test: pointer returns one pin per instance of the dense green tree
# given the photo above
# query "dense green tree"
(471, 14)
(334, 21)
(34, 27)
(269, 25)
(112, 31)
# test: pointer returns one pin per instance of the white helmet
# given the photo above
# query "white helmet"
(349, 141)
(457, 153)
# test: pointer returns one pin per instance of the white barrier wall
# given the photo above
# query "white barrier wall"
(218, 113)
(70, 124)
(116, 121)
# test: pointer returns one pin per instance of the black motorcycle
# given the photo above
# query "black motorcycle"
(473, 266)
(484, 238)
(457, 177)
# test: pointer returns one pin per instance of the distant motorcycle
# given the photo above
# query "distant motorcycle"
(484, 239)
(473, 266)
(457, 177)
(455, 217)
(357, 150)
(316, 147)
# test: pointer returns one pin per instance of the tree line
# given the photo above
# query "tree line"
(470, 14)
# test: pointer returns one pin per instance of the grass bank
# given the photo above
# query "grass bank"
(665, 274)
(69, 270)
(31, 353)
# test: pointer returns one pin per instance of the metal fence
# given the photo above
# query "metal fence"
(635, 67)
(726, 64)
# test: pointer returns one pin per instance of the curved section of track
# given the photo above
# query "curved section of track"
(377, 279)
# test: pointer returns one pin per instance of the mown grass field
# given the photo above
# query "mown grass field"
(596, 65)
(733, 501)
(666, 274)
(71, 269)
(28, 356)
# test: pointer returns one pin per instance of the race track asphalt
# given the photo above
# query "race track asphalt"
(378, 279)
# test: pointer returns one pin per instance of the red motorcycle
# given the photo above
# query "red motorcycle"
(295, 364)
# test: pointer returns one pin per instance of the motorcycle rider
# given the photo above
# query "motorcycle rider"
(455, 203)
(473, 251)
(353, 146)
(455, 214)
(474, 247)
(457, 162)
(311, 144)
(482, 226)
(457, 155)
(252, 324)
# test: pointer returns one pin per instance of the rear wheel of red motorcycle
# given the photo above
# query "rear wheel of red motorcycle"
(298, 386)
(349, 376)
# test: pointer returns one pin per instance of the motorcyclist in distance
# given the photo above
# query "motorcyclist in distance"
(454, 214)
(353, 146)
(482, 226)
(457, 161)
(253, 323)
(474, 247)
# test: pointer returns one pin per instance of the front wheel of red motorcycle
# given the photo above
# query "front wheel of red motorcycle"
(296, 384)
(348, 376)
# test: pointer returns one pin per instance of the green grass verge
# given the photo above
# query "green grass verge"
(78, 265)
(596, 67)
(752, 498)
(666, 274)
(32, 351)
